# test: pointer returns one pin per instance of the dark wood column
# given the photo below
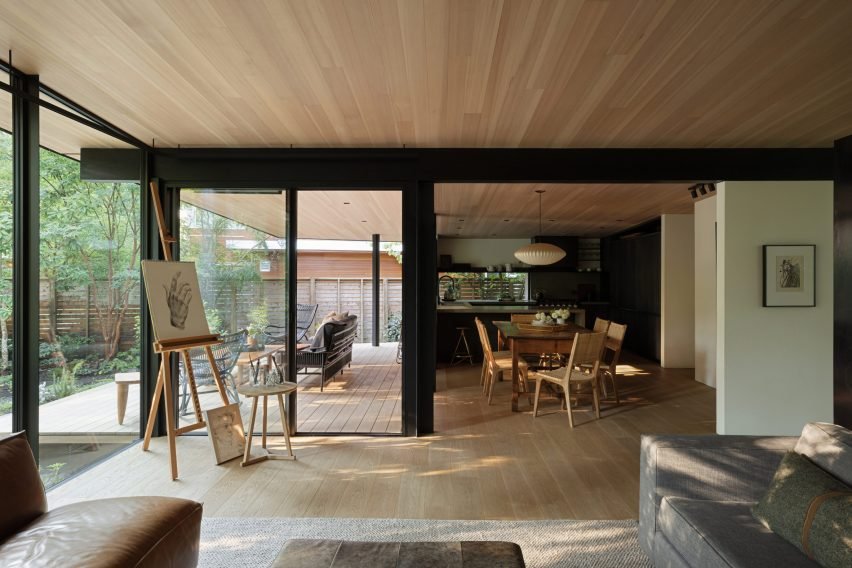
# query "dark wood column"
(843, 282)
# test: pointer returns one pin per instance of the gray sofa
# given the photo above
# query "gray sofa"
(696, 494)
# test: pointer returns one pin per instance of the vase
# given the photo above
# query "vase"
(560, 321)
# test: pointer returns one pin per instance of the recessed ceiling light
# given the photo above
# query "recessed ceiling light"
(551, 220)
(461, 220)
(505, 220)
(346, 203)
(364, 221)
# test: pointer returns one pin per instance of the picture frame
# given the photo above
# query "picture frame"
(789, 276)
(226, 433)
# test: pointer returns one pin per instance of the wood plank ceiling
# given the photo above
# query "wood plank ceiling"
(593, 210)
(440, 73)
(342, 215)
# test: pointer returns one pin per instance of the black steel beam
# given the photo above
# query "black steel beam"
(843, 283)
(376, 288)
(25, 280)
(110, 165)
(262, 167)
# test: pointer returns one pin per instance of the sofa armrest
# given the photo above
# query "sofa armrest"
(709, 467)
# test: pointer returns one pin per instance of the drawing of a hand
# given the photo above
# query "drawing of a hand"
(178, 297)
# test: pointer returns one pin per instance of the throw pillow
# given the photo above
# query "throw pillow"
(810, 509)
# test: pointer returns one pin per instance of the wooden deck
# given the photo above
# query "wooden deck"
(484, 462)
(365, 399)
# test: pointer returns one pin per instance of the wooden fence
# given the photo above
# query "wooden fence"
(74, 312)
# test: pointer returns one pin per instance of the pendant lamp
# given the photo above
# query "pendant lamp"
(539, 254)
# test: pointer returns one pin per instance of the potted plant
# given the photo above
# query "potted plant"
(258, 320)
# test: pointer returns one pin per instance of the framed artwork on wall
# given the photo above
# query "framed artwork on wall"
(788, 276)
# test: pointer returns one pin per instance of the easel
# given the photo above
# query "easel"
(182, 346)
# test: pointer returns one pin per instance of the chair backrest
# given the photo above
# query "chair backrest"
(615, 340)
(225, 354)
(523, 318)
(586, 350)
(305, 314)
(601, 325)
(483, 339)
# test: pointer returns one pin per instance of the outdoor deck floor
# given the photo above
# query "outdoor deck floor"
(366, 398)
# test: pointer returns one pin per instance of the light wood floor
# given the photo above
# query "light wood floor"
(484, 461)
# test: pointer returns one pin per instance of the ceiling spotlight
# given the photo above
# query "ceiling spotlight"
(346, 203)
(702, 188)
(505, 220)
(711, 187)
(693, 191)
(364, 221)
(461, 220)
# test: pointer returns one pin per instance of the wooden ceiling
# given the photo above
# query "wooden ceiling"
(511, 210)
(341, 215)
(439, 73)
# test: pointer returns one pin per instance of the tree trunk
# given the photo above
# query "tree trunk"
(4, 345)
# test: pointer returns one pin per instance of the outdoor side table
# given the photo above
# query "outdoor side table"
(122, 387)
(255, 392)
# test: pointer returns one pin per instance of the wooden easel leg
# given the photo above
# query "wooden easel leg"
(170, 419)
(220, 386)
(190, 383)
(285, 423)
(155, 403)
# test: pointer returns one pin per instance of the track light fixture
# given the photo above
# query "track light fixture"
(700, 190)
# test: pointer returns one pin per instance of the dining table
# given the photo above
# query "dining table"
(533, 341)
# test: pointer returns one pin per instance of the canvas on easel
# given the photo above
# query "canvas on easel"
(174, 300)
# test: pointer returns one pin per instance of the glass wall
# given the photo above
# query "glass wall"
(6, 267)
(89, 350)
(238, 241)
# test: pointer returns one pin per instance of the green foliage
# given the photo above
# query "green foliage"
(64, 381)
(394, 250)
(393, 331)
(259, 319)
(52, 474)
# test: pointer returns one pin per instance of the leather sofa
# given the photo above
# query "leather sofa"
(105, 533)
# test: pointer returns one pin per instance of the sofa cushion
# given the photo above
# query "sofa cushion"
(21, 490)
(830, 447)
(724, 534)
(131, 532)
(810, 509)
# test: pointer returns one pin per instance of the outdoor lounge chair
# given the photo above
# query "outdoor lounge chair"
(225, 354)
(305, 314)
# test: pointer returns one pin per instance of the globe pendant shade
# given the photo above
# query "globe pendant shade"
(540, 254)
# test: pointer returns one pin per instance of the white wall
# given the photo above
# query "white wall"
(705, 291)
(774, 366)
(677, 286)
(482, 252)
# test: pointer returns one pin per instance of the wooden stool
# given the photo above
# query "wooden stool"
(462, 350)
(254, 392)
(122, 387)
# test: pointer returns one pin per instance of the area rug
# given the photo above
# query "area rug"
(231, 542)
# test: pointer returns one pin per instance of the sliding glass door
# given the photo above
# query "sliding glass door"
(238, 241)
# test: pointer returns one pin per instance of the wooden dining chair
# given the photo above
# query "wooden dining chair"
(581, 371)
(612, 353)
(496, 362)
(523, 318)
(601, 325)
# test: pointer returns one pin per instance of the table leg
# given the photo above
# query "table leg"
(247, 452)
(286, 425)
(515, 374)
(121, 391)
(263, 432)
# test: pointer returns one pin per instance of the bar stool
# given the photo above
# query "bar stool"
(462, 350)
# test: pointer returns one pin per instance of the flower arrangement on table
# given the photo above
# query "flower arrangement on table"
(559, 316)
